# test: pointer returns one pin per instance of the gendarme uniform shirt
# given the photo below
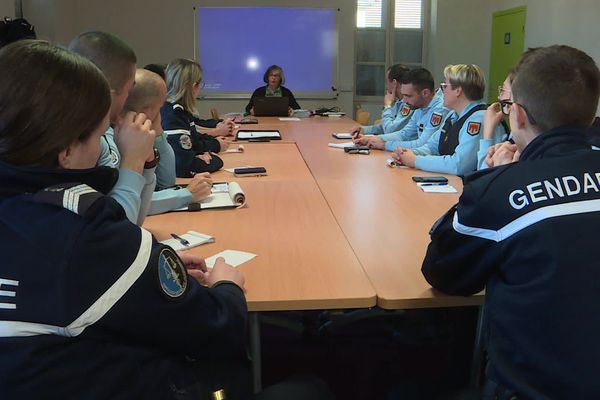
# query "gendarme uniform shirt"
(528, 233)
(393, 119)
(91, 306)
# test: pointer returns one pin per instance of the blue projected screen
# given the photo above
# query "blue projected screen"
(237, 45)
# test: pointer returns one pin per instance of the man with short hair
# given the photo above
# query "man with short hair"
(453, 148)
(147, 96)
(527, 232)
(395, 112)
(418, 93)
(128, 142)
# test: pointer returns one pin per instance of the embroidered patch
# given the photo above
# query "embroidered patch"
(171, 274)
(185, 141)
(405, 110)
(436, 119)
(473, 128)
(114, 159)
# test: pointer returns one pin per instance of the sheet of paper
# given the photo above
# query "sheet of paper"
(341, 145)
(194, 238)
(289, 119)
(222, 187)
(232, 257)
(438, 188)
(239, 149)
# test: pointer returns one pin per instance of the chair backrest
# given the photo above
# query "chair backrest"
(362, 116)
(214, 114)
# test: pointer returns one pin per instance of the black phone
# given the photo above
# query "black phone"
(357, 150)
(250, 171)
(430, 179)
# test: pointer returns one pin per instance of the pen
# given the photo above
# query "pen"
(434, 184)
(181, 240)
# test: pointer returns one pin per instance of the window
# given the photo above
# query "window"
(387, 32)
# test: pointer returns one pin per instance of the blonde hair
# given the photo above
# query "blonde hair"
(469, 77)
(181, 75)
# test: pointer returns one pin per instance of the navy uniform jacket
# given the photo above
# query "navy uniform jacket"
(187, 142)
(91, 306)
(285, 92)
(528, 233)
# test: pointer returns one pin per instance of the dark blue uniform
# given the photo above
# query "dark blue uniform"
(528, 233)
(187, 142)
(91, 306)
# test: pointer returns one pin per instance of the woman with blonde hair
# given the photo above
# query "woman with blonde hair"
(181, 123)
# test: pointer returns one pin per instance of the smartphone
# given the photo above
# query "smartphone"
(250, 171)
(430, 179)
(356, 149)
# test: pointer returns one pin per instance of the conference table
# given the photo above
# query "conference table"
(331, 230)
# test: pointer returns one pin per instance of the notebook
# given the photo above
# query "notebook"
(271, 106)
(193, 238)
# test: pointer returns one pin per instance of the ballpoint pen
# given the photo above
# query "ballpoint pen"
(180, 239)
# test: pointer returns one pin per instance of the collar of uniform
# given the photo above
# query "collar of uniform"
(469, 106)
(15, 180)
(555, 142)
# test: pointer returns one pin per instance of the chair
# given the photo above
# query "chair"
(214, 114)
(362, 116)
(377, 121)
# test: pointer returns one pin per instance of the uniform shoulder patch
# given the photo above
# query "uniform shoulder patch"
(473, 128)
(405, 110)
(436, 119)
(75, 197)
(185, 141)
(172, 277)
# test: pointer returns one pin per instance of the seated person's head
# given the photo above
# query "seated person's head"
(417, 87)
(274, 76)
(54, 107)
(115, 59)
(395, 74)
(158, 69)
(184, 81)
(553, 86)
(148, 95)
(463, 81)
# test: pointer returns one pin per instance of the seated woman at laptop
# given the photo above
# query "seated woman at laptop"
(274, 78)
(179, 118)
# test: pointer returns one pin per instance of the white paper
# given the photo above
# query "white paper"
(344, 135)
(341, 145)
(195, 239)
(289, 119)
(239, 149)
(437, 188)
(232, 257)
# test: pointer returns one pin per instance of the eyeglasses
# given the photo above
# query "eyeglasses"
(507, 104)
(501, 91)
(201, 84)
(443, 86)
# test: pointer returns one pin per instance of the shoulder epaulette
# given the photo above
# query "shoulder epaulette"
(75, 197)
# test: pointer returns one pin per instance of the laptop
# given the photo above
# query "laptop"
(271, 106)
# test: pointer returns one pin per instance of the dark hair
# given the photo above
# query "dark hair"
(270, 70)
(158, 69)
(112, 55)
(558, 85)
(12, 30)
(50, 98)
(420, 78)
(397, 72)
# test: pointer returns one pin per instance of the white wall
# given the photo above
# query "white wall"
(7, 8)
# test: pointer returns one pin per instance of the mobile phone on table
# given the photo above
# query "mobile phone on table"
(250, 171)
(357, 150)
(430, 179)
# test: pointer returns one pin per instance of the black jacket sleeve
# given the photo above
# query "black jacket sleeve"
(288, 93)
(260, 92)
(457, 263)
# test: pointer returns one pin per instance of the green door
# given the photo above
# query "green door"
(508, 42)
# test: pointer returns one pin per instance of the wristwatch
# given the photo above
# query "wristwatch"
(153, 163)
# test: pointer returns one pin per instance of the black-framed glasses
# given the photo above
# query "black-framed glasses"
(506, 104)
(443, 86)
